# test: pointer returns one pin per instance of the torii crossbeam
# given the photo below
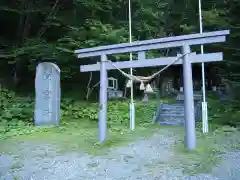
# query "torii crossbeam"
(184, 42)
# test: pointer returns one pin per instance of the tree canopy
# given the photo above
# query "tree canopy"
(33, 30)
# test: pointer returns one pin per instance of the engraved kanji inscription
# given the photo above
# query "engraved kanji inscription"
(47, 94)
(47, 112)
(47, 74)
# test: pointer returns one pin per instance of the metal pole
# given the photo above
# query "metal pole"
(204, 103)
(132, 108)
(102, 122)
(188, 101)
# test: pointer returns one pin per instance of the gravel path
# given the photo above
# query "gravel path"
(145, 159)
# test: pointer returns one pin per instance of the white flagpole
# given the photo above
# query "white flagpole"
(132, 109)
(204, 103)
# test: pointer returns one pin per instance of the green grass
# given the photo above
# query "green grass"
(78, 130)
(218, 141)
(83, 137)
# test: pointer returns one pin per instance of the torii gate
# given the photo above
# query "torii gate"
(184, 42)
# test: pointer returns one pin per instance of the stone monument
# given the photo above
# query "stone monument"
(145, 98)
(48, 92)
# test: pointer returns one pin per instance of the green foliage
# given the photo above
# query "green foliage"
(78, 127)
(16, 113)
(224, 114)
(53, 29)
(118, 112)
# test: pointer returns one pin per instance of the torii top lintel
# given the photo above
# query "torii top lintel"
(167, 42)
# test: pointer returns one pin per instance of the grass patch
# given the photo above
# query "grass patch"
(79, 129)
(220, 139)
(209, 147)
(84, 138)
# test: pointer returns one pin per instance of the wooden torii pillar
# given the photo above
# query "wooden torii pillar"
(184, 42)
